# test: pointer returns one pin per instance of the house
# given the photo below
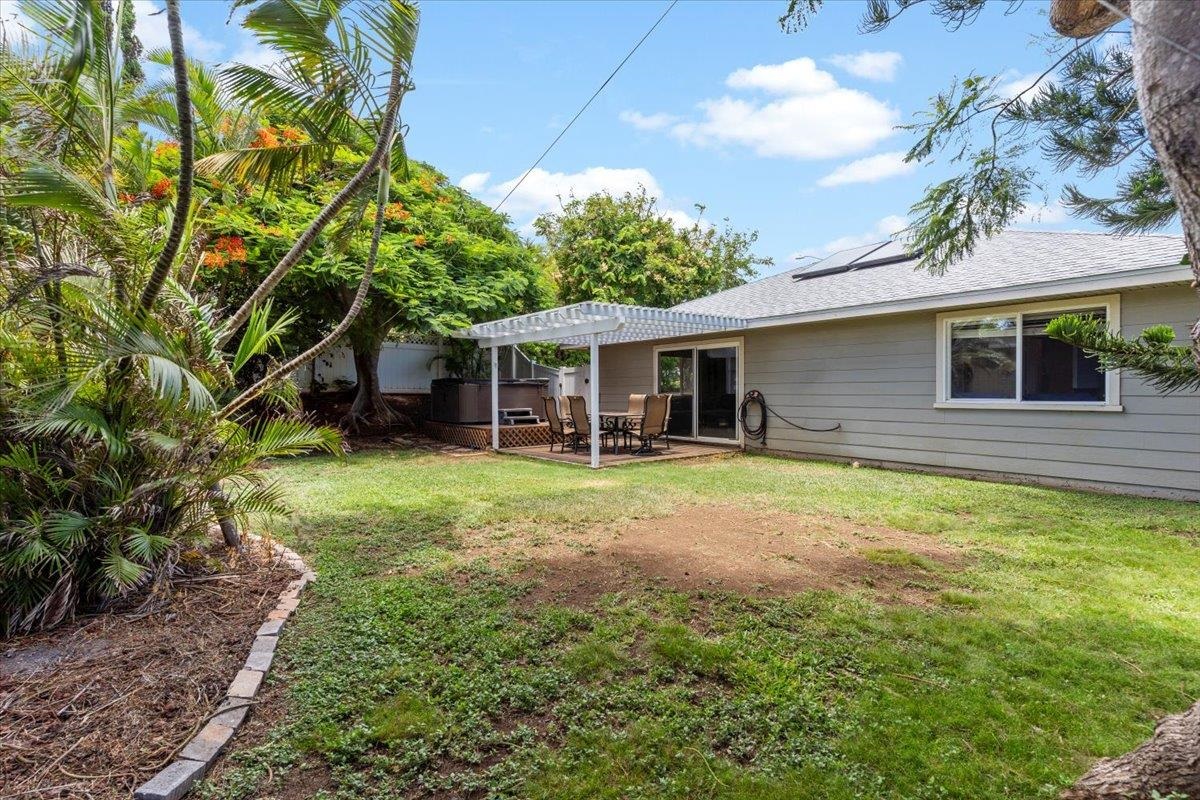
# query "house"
(869, 358)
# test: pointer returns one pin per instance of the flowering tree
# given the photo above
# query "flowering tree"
(445, 261)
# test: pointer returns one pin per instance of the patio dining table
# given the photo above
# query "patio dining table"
(615, 422)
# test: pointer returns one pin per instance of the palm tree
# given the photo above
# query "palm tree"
(112, 448)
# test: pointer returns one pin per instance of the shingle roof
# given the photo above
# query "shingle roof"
(1009, 259)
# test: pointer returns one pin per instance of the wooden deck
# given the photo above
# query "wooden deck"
(609, 459)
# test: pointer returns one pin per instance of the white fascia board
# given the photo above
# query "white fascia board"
(554, 333)
(1082, 286)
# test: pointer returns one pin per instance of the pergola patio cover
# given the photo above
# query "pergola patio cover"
(588, 325)
(612, 323)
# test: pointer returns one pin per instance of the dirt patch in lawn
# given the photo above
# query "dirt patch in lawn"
(721, 548)
(94, 708)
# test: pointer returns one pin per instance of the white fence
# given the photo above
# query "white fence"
(404, 368)
(573, 380)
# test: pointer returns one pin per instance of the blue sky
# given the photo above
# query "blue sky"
(789, 134)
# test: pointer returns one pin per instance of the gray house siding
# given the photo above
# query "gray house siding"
(876, 376)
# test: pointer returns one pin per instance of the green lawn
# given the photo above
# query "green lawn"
(1068, 626)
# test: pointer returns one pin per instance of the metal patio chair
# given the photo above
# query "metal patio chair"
(560, 432)
(653, 424)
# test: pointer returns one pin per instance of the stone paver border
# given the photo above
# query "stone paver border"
(197, 756)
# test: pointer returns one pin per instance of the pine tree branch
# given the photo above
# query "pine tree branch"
(1153, 355)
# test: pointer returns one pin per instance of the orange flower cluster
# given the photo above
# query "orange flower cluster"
(163, 148)
(126, 197)
(161, 189)
(419, 240)
(213, 260)
(266, 137)
(443, 199)
(270, 136)
(395, 212)
(233, 248)
(448, 238)
(426, 183)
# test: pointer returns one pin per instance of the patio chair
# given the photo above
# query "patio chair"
(560, 432)
(653, 424)
(666, 437)
(577, 409)
(637, 410)
(583, 423)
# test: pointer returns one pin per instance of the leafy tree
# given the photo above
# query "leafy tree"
(624, 250)
(1102, 105)
(120, 406)
(445, 261)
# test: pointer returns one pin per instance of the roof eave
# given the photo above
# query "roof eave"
(1090, 284)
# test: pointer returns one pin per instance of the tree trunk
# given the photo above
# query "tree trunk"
(1166, 67)
(1169, 762)
(370, 407)
(1166, 39)
(219, 502)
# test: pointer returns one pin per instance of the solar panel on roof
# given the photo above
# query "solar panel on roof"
(873, 255)
(837, 262)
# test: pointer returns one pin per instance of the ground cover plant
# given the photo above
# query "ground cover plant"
(494, 627)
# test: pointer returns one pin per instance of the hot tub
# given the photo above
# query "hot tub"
(469, 400)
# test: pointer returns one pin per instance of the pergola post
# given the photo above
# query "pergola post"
(496, 398)
(594, 396)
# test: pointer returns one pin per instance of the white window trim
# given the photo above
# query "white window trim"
(1112, 379)
(705, 344)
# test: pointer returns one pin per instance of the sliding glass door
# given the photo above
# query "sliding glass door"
(704, 384)
(676, 377)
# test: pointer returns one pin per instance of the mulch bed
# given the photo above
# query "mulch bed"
(95, 708)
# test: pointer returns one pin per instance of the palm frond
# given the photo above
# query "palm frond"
(261, 334)
(324, 111)
(265, 165)
(49, 185)
(75, 420)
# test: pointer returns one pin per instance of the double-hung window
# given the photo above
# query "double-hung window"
(1003, 358)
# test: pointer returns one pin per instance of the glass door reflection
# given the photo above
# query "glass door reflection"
(676, 377)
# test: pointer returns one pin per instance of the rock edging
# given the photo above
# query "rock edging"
(197, 756)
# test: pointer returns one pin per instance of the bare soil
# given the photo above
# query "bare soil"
(94, 708)
(720, 548)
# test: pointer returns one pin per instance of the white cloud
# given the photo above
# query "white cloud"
(811, 117)
(1047, 214)
(886, 228)
(151, 29)
(869, 64)
(871, 169)
(15, 26)
(1013, 82)
(798, 76)
(474, 181)
(254, 54)
(648, 122)
(546, 191)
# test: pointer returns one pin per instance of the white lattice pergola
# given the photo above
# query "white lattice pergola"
(588, 325)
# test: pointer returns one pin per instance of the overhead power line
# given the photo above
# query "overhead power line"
(579, 113)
